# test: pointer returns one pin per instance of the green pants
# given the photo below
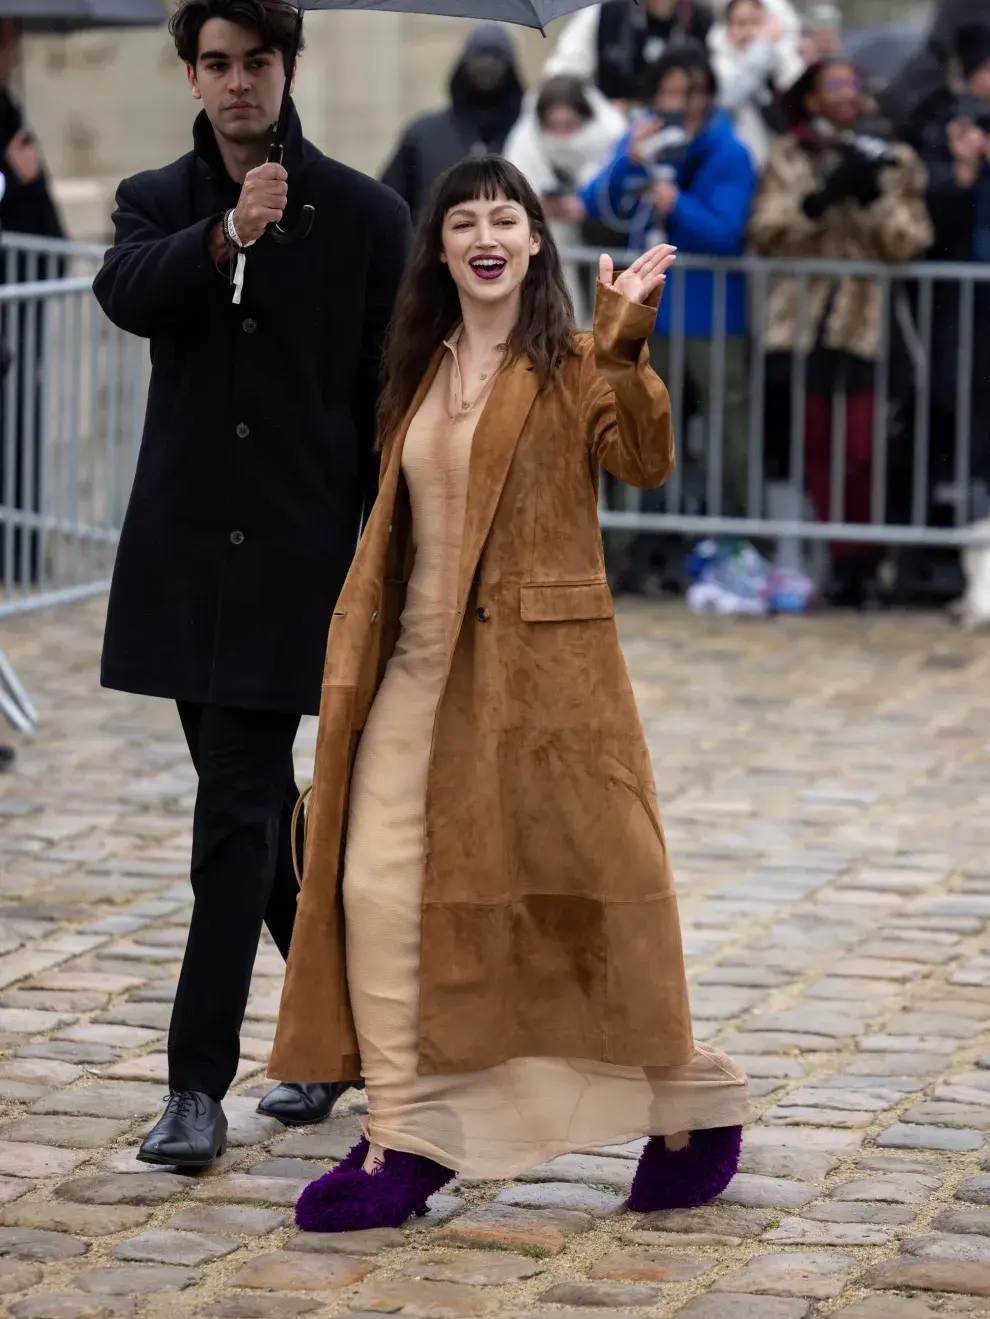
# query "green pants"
(698, 365)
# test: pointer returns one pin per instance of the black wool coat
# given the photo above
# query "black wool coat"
(258, 451)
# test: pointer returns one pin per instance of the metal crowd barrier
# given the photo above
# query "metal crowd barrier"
(73, 390)
(72, 397)
(910, 503)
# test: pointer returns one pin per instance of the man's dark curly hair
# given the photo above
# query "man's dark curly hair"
(273, 20)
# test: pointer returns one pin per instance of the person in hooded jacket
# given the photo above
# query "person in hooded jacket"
(26, 207)
(754, 52)
(486, 97)
(563, 138)
(701, 198)
(26, 204)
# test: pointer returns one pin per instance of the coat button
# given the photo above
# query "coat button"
(243, 431)
(482, 614)
(237, 538)
(249, 325)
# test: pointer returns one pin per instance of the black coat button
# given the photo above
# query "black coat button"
(243, 431)
(249, 325)
(237, 538)
(482, 614)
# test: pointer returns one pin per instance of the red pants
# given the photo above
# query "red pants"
(859, 459)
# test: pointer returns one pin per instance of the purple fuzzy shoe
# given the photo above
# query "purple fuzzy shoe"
(347, 1199)
(352, 1161)
(687, 1178)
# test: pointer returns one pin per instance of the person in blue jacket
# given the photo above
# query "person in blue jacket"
(682, 172)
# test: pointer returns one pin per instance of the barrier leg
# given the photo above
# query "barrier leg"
(15, 704)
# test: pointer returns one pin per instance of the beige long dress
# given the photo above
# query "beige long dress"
(498, 1122)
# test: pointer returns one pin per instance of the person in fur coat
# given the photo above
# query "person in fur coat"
(829, 194)
(563, 138)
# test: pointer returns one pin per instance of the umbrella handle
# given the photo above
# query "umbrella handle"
(300, 232)
(302, 229)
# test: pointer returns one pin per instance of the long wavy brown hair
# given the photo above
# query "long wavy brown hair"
(428, 307)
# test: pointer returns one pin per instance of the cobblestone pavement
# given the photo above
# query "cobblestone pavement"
(826, 790)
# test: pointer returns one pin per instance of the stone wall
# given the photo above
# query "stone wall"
(107, 104)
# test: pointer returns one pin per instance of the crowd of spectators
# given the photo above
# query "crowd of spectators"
(734, 128)
(751, 130)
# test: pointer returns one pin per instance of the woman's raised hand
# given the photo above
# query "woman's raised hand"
(645, 274)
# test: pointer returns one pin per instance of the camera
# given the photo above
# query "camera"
(668, 146)
(871, 139)
(975, 110)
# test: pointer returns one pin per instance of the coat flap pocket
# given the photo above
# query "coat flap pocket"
(561, 602)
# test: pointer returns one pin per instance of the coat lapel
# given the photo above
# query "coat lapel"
(492, 451)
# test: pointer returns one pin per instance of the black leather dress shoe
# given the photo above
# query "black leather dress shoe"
(298, 1103)
(191, 1133)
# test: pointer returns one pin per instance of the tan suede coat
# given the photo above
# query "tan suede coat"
(549, 921)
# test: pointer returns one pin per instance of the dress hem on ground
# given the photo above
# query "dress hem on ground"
(731, 1109)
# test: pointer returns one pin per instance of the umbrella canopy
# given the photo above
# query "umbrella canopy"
(881, 52)
(65, 15)
(525, 13)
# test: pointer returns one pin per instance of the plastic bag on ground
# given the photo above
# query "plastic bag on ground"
(732, 577)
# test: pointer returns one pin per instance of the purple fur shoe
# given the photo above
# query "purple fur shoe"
(687, 1178)
(347, 1199)
(353, 1159)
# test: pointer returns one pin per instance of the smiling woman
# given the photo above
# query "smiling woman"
(483, 217)
(487, 927)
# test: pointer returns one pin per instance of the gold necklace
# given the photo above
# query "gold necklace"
(487, 378)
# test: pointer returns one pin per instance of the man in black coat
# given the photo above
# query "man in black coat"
(256, 463)
(486, 96)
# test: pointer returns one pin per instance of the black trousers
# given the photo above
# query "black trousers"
(241, 876)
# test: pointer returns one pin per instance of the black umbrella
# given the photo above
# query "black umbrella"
(881, 52)
(67, 15)
(525, 13)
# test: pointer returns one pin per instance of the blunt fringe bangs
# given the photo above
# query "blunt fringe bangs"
(428, 307)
